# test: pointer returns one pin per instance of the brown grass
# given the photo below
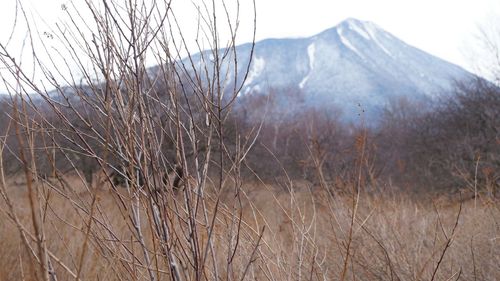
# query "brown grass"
(306, 232)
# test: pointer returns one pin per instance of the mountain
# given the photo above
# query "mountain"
(354, 64)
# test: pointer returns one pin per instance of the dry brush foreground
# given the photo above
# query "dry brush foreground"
(190, 204)
(293, 231)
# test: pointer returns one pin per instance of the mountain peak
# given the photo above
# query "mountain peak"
(366, 29)
(355, 22)
(354, 63)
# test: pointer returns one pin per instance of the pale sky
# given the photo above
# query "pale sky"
(445, 28)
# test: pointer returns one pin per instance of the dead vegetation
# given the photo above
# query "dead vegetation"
(135, 173)
(297, 234)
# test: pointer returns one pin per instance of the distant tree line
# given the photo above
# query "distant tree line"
(447, 144)
(453, 143)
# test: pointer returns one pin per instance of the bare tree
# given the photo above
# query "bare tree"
(121, 117)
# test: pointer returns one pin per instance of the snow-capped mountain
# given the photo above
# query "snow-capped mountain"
(353, 64)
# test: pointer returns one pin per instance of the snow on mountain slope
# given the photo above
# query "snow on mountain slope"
(354, 63)
(311, 49)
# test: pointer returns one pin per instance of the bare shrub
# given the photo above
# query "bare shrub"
(121, 117)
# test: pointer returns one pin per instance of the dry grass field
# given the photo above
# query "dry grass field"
(163, 168)
(294, 231)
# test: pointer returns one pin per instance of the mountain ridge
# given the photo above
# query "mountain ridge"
(351, 64)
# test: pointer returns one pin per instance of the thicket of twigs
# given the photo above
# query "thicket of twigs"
(124, 172)
(449, 144)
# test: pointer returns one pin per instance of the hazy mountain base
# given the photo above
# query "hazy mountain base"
(307, 234)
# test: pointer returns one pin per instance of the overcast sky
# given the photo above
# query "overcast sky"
(445, 28)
